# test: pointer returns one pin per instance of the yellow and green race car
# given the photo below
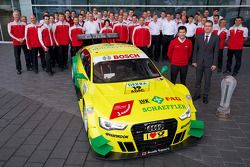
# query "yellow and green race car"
(129, 108)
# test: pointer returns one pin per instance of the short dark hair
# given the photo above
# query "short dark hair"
(61, 13)
(67, 10)
(107, 20)
(191, 16)
(239, 17)
(73, 11)
(182, 28)
(52, 16)
(209, 21)
(217, 16)
(45, 16)
(216, 9)
(80, 15)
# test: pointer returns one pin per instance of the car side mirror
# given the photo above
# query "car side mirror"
(164, 69)
(80, 76)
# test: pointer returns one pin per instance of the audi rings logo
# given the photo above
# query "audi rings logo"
(155, 127)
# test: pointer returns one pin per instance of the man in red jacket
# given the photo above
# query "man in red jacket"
(16, 30)
(61, 37)
(122, 29)
(141, 36)
(237, 36)
(222, 33)
(179, 53)
(131, 27)
(45, 36)
(33, 44)
(74, 31)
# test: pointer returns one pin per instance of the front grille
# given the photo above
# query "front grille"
(126, 146)
(139, 129)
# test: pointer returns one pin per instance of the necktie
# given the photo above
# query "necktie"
(206, 39)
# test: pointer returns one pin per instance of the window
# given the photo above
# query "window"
(86, 61)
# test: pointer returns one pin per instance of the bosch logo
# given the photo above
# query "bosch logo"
(155, 127)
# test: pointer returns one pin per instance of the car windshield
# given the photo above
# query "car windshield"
(124, 70)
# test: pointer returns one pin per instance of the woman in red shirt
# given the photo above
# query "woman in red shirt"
(105, 30)
(179, 52)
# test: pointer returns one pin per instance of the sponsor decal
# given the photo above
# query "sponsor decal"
(137, 84)
(117, 136)
(157, 99)
(106, 58)
(85, 88)
(144, 101)
(121, 109)
(173, 98)
(126, 56)
(164, 107)
(155, 151)
(136, 87)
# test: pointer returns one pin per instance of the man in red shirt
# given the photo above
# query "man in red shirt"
(74, 31)
(45, 36)
(16, 30)
(122, 29)
(237, 36)
(33, 44)
(141, 36)
(61, 37)
(131, 27)
(222, 33)
(179, 53)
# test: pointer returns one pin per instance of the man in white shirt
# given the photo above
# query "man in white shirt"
(191, 29)
(155, 30)
(169, 29)
(91, 27)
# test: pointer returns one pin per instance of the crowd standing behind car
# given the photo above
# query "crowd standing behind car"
(54, 37)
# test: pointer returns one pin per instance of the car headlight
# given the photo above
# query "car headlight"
(186, 114)
(109, 125)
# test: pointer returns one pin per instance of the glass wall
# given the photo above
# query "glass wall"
(191, 6)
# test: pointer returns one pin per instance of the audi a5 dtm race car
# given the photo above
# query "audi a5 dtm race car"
(129, 108)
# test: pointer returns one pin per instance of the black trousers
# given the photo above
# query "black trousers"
(220, 59)
(35, 58)
(155, 47)
(53, 55)
(192, 39)
(74, 50)
(48, 58)
(145, 50)
(166, 39)
(238, 55)
(200, 70)
(63, 55)
(175, 70)
(27, 54)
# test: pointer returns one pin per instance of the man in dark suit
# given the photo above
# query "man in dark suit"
(205, 57)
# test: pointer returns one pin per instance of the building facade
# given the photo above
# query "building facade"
(229, 9)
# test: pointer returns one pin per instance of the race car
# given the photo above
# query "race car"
(129, 108)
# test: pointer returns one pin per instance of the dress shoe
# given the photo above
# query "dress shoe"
(234, 74)
(196, 97)
(227, 72)
(19, 72)
(205, 100)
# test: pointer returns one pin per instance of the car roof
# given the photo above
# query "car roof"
(112, 49)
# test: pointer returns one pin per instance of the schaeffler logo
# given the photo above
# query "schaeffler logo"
(157, 99)
(121, 109)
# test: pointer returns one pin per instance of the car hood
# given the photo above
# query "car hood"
(140, 101)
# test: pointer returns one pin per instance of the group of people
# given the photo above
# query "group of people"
(195, 39)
